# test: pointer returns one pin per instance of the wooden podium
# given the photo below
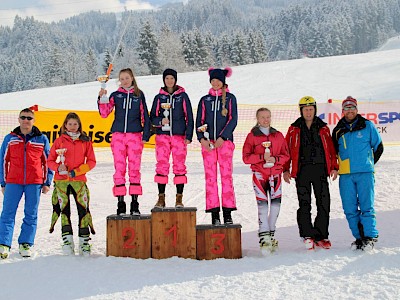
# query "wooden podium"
(223, 241)
(173, 232)
(129, 236)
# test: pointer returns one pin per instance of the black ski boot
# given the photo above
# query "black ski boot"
(215, 220)
(227, 216)
(135, 206)
(121, 205)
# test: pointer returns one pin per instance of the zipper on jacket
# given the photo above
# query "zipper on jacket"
(215, 117)
(24, 161)
(126, 112)
(172, 101)
(344, 142)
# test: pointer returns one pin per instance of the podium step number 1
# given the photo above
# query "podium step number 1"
(173, 232)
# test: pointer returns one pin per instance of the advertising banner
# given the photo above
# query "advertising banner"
(96, 127)
(385, 117)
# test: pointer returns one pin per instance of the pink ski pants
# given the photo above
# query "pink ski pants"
(224, 157)
(165, 144)
(127, 145)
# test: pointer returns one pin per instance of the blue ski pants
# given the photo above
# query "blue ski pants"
(357, 193)
(12, 197)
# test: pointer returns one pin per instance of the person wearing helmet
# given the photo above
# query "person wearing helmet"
(359, 147)
(312, 160)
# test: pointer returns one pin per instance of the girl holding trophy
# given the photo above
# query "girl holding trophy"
(266, 150)
(171, 114)
(130, 130)
(71, 157)
(215, 122)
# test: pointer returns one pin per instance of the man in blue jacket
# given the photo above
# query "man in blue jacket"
(359, 147)
(23, 160)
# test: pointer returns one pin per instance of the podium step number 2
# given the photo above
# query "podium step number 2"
(129, 236)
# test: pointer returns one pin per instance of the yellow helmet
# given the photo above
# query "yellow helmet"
(307, 101)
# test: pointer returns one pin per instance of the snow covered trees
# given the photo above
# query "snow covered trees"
(187, 37)
(148, 48)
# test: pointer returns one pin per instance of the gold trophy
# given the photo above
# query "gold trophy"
(103, 80)
(267, 144)
(60, 152)
(166, 107)
(203, 129)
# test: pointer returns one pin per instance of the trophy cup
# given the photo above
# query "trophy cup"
(60, 152)
(166, 107)
(203, 129)
(103, 80)
(267, 144)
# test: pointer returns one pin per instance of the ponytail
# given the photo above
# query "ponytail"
(224, 109)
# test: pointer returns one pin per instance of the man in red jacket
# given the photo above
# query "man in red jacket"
(313, 159)
(23, 158)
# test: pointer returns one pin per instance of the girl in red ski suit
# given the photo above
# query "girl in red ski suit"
(79, 159)
(267, 179)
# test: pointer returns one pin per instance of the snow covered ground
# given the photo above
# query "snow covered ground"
(293, 273)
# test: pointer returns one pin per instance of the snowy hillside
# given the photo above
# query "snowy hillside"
(293, 273)
(391, 44)
(368, 77)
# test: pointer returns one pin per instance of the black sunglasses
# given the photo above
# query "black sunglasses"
(26, 118)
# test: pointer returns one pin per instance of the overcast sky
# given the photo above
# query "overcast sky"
(55, 10)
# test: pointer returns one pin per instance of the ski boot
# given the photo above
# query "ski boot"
(368, 243)
(274, 242)
(68, 246)
(25, 250)
(135, 206)
(325, 244)
(121, 205)
(357, 245)
(265, 242)
(84, 246)
(4, 251)
(309, 243)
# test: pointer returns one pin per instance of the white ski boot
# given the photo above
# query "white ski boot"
(265, 242)
(68, 246)
(84, 246)
(274, 242)
(4, 251)
(25, 250)
(309, 243)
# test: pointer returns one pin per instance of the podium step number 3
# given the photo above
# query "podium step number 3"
(219, 241)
